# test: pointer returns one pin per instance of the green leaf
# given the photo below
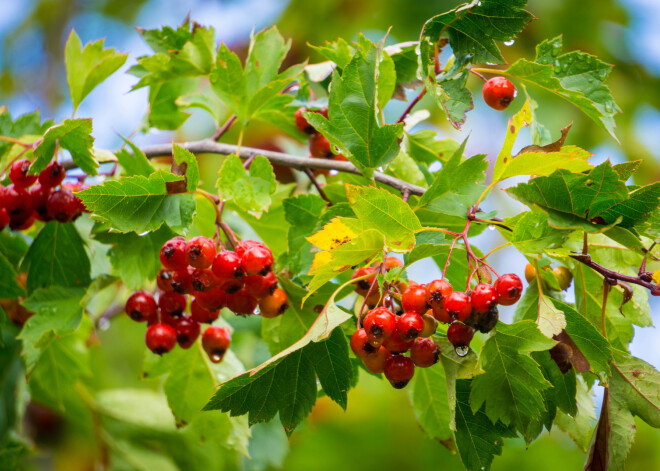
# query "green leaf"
(252, 190)
(86, 68)
(187, 164)
(574, 76)
(381, 210)
(473, 28)
(138, 203)
(587, 201)
(135, 163)
(512, 383)
(353, 126)
(57, 257)
(287, 382)
(73, 135)
(184, 52)
(478, 441)
(456, 186)
(9, 286)
(57, 312)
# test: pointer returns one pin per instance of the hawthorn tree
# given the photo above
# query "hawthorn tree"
(135, 222)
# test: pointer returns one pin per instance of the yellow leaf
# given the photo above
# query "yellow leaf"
(333, 234)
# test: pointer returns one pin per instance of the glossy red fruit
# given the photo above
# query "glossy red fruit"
(460, 335)
(241, 302)
(211, 300)
(216, 341)
(227, 264)
(203, 279)
(260, 286)
(17, 202)
(409, 325)
(379, 323)
(359, 344)
(62, 206)
(362, 286)
(436, 292)
(375, 362)
(499, 92)
(201, 315)
(4, 218)
(509, 289)
(182, 281)
(414, 299)
(173, 254)
(172, 304)
(52, 175)
(187, 331)
(39, 199)
(18, 174)
(424, 352)
(274, 304)
(257, 261)
(244, 245)
(200, 252)
(483, 297)
(399, 370)
(160, 338)
(319, 146)
(140, 306)
(395, 344)
(457, 305)
(164, 279)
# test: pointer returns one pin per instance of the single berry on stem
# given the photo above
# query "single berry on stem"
(399, 370)
(499, 92)
(160, 338)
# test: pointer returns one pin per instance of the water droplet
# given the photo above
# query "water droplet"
(462, 350)
(509, 43)
(104, 323)
(491, 227)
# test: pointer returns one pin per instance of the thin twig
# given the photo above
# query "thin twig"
(318, 186)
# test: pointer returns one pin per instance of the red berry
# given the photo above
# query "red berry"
(202, 315)
(164, 279)
(39, 199)
(52, 175)
(362, 286)
(203, 280)
(319, 146)
(241, 303)
(437, 291)
(399, 370)
(414, 299)
(18, 174)
(274, 304)
(140, 306)
(499, 92)
(483, 297)
(211, 300)
(182, 281)
(215, 341)
(458, 306)
(17, 202)
(460, 335)
(172, 304)
(257, 261)
(379, 323)
(161, 338)
(173, 254)
(244, 245)
(395, 344)
(409, 325)
(424, 352)
(200, 252)
(4, 218)
(187, 331)
(359, 344)
(509, 289)
(62, 206)
(375, 361)
(227, 265)
(260, 286)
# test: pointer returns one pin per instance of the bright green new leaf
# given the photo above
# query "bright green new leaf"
(138, 203)
(73, 135)
(86, 68)
(250, 190)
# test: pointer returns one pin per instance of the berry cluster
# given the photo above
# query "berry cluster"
(386, 334)
(319, 146)
(239, 280)
(34, 197)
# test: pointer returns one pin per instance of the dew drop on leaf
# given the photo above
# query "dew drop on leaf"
(462, 350)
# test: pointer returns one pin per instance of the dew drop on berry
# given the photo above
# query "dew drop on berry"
(462, 350)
